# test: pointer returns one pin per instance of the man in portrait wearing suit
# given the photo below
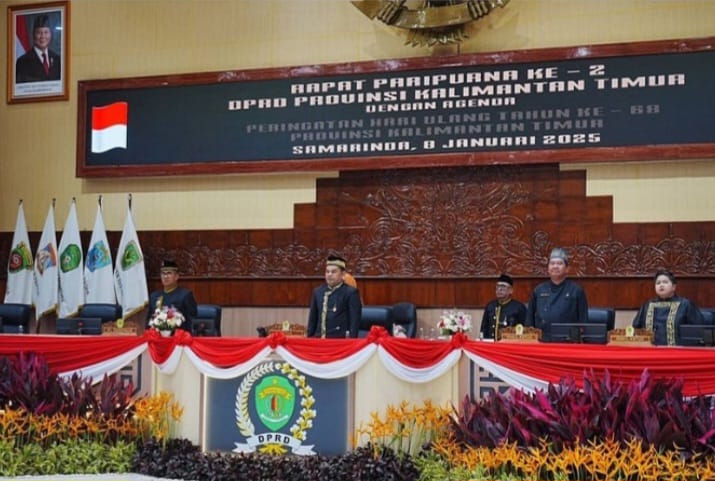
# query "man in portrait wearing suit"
(335, 307)
(39, 63)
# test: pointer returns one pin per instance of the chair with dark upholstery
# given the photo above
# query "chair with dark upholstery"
(106, 312)
(375, 316)
(708, 315)
(207, 321)
(405, 314)
(602, 315)
(15, 315)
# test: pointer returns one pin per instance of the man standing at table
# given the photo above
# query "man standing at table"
(171, 295)
(335, 307)
(504, 311)
(558, 299)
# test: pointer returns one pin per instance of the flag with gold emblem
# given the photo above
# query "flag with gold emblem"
(19, 265)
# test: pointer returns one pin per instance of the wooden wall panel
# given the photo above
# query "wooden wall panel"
(438, 237)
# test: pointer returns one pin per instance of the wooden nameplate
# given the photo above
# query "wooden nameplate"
(519, 334)
(287, 328)
(128, 329)
(630, 337)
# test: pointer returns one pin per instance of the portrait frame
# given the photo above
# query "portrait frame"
(29, 79)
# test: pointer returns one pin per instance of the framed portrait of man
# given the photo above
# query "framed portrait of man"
(38, 52)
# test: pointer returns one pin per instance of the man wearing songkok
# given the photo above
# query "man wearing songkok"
(40, 63)
(172, 295)
(558, 299)
(664, 314)
(504, 311)
(335, 307)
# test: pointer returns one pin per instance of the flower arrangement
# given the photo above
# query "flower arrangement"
(399, 330)
(452, 322)
(166, 319)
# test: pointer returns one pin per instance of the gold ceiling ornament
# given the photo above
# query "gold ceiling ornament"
(429, 22)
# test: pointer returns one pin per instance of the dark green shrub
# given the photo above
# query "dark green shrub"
(72, 456)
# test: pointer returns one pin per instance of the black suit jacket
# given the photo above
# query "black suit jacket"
(344, 311)
(29, 68)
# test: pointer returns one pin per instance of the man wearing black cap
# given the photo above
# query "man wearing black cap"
(39, 64)
(172, 295)
(335, 307)
(558, 299)
(503, 311)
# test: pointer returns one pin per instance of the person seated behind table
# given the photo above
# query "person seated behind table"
(664, 314)
(503, 311)
(335, 307)
(557, 300)
(172, 295)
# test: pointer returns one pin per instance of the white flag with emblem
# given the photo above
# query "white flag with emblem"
(71, 293)
(129, 274)
(44, 293)
(19, 265)
(98, 275)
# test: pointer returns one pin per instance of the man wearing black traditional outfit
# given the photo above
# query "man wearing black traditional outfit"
(557, 300)
(335, 307)
(504, 311)
(664, 314)
(172, 295)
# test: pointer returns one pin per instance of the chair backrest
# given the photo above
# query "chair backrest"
(106, 312)
(15, 315)
(708, 315)
(602, 315)
(375, 316)
(405, 314)
(207, 321)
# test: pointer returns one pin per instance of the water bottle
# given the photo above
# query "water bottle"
(20, 329)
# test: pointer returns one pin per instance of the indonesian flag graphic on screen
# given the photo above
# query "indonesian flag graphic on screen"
(109, 127)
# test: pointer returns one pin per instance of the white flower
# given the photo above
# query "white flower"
(399, 330)
(166, 319)
(455, 321)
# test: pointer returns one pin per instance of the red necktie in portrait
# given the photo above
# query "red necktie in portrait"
(45, 63)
